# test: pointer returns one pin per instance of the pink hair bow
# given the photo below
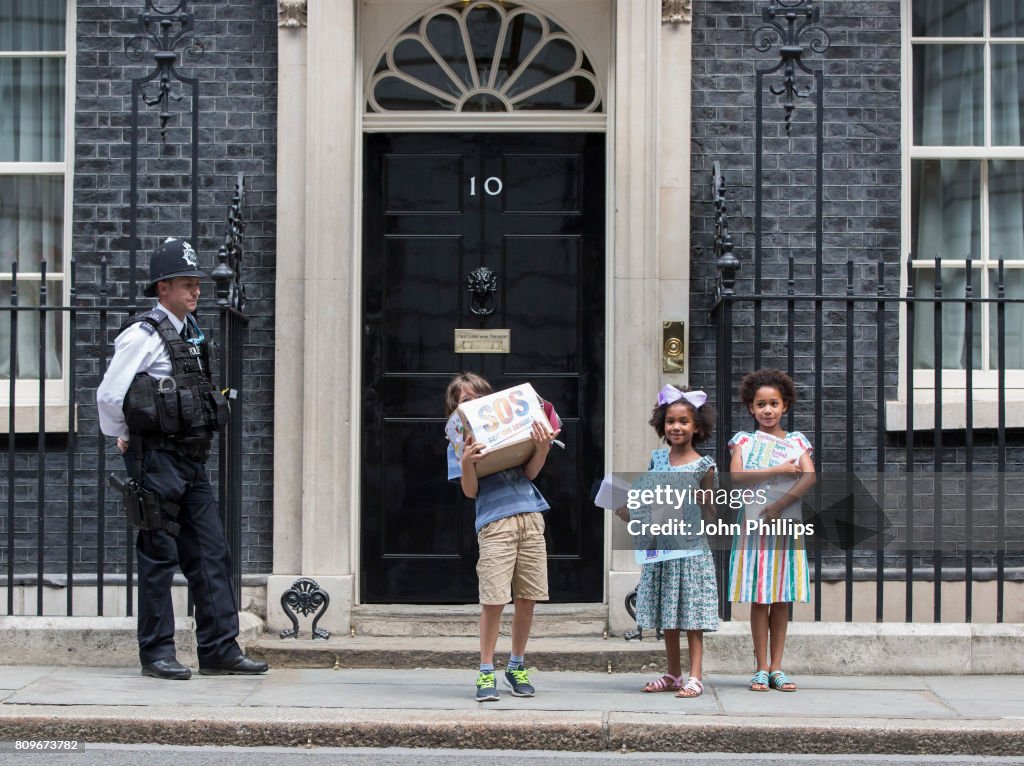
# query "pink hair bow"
(670, 394)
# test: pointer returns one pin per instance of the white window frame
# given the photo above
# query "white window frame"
(954, 381)
(57, 393)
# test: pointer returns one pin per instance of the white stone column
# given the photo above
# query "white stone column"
(674, 125)
(313, 513)
(635, 317)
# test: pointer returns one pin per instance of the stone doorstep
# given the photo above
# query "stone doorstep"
(97, 641)
(551, 620)
(583, 732)
(815, 648)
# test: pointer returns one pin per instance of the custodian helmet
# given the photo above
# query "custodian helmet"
(173, 258)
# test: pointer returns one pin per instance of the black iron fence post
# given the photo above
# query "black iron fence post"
(231, 306)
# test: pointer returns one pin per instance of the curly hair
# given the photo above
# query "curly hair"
(703, 417)
(762, 378)
(475, 383)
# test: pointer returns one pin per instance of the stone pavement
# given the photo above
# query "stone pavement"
(587, 711)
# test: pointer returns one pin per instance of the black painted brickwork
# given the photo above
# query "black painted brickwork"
(238, 118)
(861, 193)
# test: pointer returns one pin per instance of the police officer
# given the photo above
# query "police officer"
(158, 401)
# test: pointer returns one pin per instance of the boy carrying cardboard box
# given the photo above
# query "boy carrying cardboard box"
(509, 511)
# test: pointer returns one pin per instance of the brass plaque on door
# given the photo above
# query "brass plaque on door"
(483, 341)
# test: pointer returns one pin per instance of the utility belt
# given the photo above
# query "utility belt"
(194, 447)
(144, 509)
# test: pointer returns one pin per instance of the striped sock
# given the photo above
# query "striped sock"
(514, 663)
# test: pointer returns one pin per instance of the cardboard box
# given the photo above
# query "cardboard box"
(502, 421)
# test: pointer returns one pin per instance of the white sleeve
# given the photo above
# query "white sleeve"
(134, 351)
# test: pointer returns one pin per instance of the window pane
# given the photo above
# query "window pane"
(483, 24)
(1006, 209)
(32, 25)
(522, 36)
(397, 95)
(1014, 320)
(948, 95)
(945, 207)
(954, 326)
(444, 33)
(28, 331)
(1007, 18)
(413, 59)
(32, 222)
(32, 116)
(1008, 95)
(947, 18)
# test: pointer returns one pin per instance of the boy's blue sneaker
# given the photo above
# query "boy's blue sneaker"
(486, 688)
(518, 681)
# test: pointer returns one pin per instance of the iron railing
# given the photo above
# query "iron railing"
(904, 531)
(57, 495)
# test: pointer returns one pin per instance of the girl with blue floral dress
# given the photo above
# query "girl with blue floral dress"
(680, 592)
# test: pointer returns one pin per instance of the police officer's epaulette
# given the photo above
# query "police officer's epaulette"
(149, 321)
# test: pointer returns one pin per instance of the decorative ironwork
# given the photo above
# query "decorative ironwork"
(482, 284)
(638, 634)
(157, 24)
(291, 13)
(728, 264)
(305, 596)
(676, 11)
(228, 272)
(788, 22)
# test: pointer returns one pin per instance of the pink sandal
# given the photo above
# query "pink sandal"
(667, 683)
(692, 688)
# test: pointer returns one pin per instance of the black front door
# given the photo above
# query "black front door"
(529, 207)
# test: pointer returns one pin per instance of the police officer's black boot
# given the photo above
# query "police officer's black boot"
(239, 666)
(168, 668)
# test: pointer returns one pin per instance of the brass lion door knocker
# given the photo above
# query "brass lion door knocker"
(482, 284)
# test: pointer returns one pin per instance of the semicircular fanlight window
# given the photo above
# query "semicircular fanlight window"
(484, 56)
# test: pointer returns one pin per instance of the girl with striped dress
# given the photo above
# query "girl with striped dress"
(768, 566)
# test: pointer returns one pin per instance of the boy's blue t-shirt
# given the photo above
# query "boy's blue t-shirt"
(501, 494)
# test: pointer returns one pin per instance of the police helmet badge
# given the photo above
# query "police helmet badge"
(189, 255)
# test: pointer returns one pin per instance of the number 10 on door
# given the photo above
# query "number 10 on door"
(492, 186)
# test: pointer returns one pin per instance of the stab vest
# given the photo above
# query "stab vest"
(184, 407)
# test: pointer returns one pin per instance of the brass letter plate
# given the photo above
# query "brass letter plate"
(483, 341)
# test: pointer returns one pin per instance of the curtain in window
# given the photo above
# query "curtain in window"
(31, 206)
(946, 205)
(31, 226)
(32, 25)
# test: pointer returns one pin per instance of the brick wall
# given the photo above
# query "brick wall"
(861, 142)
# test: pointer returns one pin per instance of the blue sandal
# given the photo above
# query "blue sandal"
(760, 678)
(779, 680)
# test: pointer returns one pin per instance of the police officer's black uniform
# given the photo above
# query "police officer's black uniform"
(172, 420)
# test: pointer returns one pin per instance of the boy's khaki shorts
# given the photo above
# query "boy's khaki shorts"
(513, 559)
